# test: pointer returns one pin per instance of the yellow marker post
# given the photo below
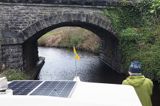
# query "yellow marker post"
(77, 57)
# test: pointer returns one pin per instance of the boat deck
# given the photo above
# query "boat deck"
(69, 93)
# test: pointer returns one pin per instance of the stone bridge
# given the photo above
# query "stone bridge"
(23, 22)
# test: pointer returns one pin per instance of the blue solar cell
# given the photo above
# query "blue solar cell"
(66, 91)
(23, 87)
(55, 88)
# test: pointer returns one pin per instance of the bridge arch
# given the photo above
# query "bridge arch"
(87, 21)
(96, 23)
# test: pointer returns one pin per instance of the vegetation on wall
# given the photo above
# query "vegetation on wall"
(138, 26)
(13, 74)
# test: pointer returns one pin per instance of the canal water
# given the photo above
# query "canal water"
(61, 65)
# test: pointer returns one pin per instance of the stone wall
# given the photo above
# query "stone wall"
(0, 53)
(72, 2)
(12, 56)
(19, 17)
(30, 54)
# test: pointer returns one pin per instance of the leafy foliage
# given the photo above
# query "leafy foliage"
(155, 6)
(138, 27)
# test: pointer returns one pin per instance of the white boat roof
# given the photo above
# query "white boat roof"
(83, 94)
(106, 94)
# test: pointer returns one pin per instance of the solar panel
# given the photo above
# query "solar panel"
(23, 87)
(55, 88)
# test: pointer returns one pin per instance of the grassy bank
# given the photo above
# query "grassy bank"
(139, 33)
(13, 74)
(69, 37)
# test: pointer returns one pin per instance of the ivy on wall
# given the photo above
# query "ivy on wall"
(138, 27)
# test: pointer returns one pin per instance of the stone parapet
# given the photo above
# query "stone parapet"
(73, 2)
(15, 19)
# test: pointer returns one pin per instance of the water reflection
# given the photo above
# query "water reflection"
(60, 65)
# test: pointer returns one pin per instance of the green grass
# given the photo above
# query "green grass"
(13, 74)
(72, 40)
(71, 36)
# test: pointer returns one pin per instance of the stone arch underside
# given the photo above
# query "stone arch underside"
(27, 39)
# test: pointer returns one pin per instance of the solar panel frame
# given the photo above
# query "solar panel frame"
(55, 88)
(23, 87)
(44, 88)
